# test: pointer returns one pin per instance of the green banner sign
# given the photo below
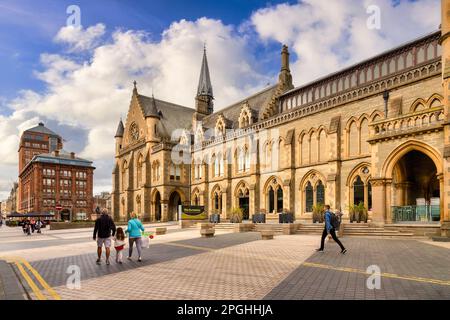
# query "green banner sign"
(193, 213)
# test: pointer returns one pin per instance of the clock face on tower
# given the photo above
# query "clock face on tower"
(134, 131)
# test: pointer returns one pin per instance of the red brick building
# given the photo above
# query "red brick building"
(50, 177)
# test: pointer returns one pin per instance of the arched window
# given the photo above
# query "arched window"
(320, 193)
(246, 160)
(196, 201)
(216, 166)
(125, 176)
(358, 191)
(221, 166)
(217, 201)
(280, 200)
(240, 160)
(309, 197)
(140, 164)
(353, 139)
(271, 199)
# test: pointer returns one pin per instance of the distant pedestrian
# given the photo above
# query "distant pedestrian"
(27, 227)
(38, 225)
(33, 225)
(119, 245)
(1, 222)
(135, 236)
(104, 228)
(330, 229)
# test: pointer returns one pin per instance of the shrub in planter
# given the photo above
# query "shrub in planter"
(362, 213)
(318, 213)
(236, 215)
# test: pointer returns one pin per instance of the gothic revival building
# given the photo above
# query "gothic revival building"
(376, 133)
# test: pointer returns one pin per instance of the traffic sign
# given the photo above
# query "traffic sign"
(58, 207)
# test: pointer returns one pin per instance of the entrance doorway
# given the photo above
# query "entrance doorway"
(415, 189)
(157, 206)
(174, 203)
(65, 215)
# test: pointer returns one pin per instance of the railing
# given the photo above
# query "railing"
(420, 120)
(424, 213)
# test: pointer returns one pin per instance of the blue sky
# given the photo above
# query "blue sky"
(79, 80)
(28, 27)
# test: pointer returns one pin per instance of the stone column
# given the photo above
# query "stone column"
(164, 210)
(388, 219)
(379, 201)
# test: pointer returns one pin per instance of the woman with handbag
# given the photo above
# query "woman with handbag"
(134, 235)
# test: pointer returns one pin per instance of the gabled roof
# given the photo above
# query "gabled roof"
(63, 157)
(232, 113)
(172, 116)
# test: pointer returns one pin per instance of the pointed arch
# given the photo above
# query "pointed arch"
(406, 147)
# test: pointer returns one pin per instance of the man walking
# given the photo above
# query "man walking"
(103, 230)
(329, 229)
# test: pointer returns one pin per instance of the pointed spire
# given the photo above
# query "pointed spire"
(153, 110)
(135, 87)
(120, 129)
(204, 83)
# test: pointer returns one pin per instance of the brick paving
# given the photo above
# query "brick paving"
(240, 266)
(240, 271)
(406, 258)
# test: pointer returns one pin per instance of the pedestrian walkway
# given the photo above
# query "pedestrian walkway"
(409, 270)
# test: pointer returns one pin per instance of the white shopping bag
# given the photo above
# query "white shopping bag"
(145, 241)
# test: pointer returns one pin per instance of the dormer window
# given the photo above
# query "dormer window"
(245, 117)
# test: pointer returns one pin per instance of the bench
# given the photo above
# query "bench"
(161, 230)
(207, 233)
(267, 235)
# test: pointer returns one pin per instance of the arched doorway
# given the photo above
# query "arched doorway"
(243, 197)
(174, 203)
(157, 206)
(415, 189)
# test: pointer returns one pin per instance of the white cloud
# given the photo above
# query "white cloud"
(88, 87)
(80, 39)
(328, 35)
(93, 94)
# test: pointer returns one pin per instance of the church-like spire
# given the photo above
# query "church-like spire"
(120, 130)
(204, 83)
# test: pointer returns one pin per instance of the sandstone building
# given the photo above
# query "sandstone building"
(375, 133)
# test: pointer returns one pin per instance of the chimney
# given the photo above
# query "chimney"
(56, 153)
(72, 155)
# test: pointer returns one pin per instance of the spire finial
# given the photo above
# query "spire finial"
(135, 85)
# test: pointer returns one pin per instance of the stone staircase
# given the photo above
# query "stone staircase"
(364, 230)
(310, 228)
(275, 227)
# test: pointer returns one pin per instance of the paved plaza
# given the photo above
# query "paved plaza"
(236, 266)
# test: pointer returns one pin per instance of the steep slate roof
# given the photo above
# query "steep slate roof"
(172, 116)
(40, 128)
(231, 113)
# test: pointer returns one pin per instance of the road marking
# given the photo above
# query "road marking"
(41, 280)
(386, 275)
(188, 246)
(20, 263)
(30, 282)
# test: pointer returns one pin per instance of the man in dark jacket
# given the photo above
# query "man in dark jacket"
(329, 229)
(103, 230)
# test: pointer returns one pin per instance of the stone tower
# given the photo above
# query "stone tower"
(204, 100)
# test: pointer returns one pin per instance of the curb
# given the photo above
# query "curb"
(10, 287)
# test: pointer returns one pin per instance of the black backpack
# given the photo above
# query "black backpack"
(335, 223)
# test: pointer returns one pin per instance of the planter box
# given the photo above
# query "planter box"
(71, 225)
(259, 218)
(290, 228)
(207, 233)
(161, 230)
